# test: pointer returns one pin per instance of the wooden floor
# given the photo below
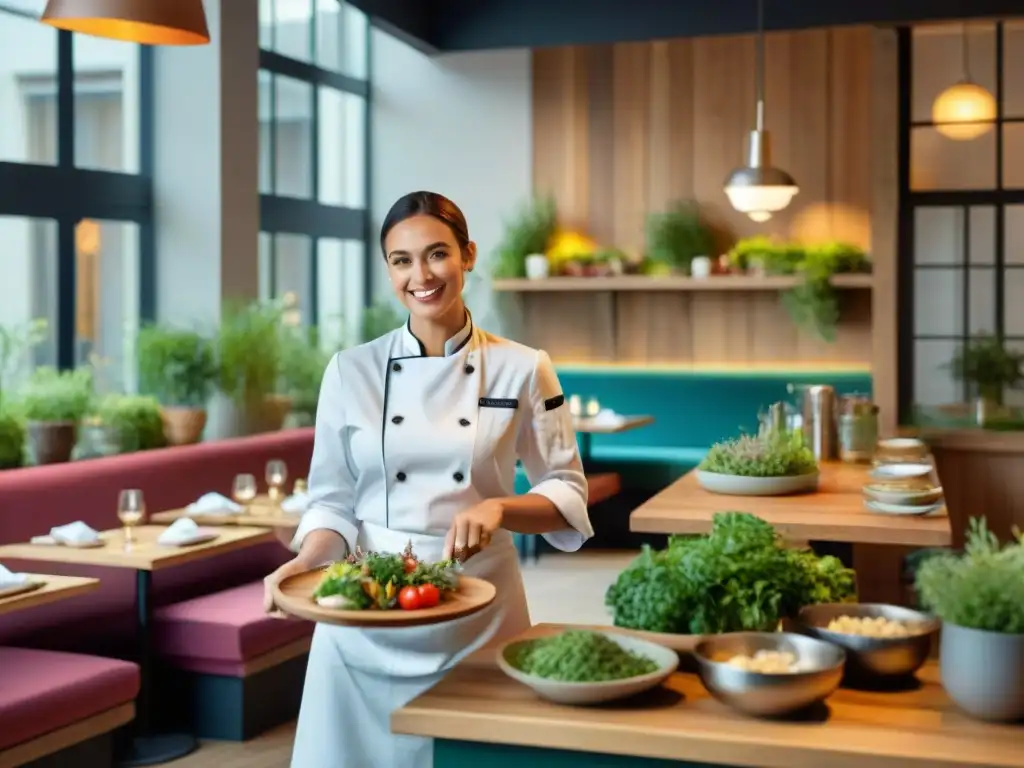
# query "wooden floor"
(565, 589)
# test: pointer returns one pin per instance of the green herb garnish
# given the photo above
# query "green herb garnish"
(739, 577)
(579, 656)
(772, 454)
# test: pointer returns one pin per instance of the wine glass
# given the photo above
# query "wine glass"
(244, 489)
(131, 509)
(276, 474)
(301, 486)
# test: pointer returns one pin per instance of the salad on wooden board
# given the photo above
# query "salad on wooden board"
(739, 577)
(386, 581)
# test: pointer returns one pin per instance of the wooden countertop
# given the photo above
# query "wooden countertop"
(834, 513)
(911, 729)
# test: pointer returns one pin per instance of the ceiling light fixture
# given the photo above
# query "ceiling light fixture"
(965, 110)
(149, 22)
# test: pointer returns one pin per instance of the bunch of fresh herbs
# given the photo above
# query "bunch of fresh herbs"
(983, 588)
(739, 577)
(778, 453)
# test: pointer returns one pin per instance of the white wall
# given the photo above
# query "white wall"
(460, 125)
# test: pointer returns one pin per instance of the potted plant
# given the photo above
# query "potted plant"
(521, 251)
(53, 403)
(12, 437)
(131, 422)
(377, 320)
(248, 349)
(178, 368)
(771, 463)
(989, 368)
(678, 236)
(979, 595)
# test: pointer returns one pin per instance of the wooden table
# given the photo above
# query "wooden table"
(835, 513)
(54, 588)
(144, 556)
(479, 715)
(262, 513)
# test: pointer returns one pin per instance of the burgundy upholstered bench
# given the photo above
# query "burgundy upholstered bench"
(63, 707)
(230, 671)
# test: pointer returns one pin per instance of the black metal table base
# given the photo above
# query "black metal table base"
(158, 749)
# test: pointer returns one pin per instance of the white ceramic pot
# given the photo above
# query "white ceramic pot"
(983, 672)
(737, 485)
(537, 267)
(700, 267)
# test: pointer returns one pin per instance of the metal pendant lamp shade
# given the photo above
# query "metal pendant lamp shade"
(149, 22)
(757, 188)
(964, 111)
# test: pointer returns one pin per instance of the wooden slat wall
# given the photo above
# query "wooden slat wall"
(622, 130)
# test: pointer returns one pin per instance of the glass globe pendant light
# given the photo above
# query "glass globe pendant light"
(758, 189)
(965, 110)
(149, 22)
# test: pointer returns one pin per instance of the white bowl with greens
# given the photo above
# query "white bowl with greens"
(579, 666)
(773, 463)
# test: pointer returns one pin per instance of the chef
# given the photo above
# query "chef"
(417, 437)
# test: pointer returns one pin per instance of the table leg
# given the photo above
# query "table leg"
(147, 747)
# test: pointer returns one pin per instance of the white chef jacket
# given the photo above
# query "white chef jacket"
(403, 442)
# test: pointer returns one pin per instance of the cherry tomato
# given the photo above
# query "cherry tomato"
(429, 595)
(410, 564)
(409, 599)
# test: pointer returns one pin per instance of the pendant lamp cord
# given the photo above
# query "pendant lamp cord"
(965, 59)
(759, 63)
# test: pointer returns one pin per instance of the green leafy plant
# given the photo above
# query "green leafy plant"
(248, 348)
(527, 231)
(303, 363)
(51, 396)
(739, 577)
(812, 304)
(177, 367)
(676, 236)
(378, 319)
(15, 342)
(982, 588)
(12, 437)
(987, 364)
(134, 418)
(771, 454)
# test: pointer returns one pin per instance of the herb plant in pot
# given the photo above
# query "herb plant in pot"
(979, 596)
(989, 368)
(134, 422)
(303, 363)
(12, 437)
(53, 403)
(773, 463)
(178, 368)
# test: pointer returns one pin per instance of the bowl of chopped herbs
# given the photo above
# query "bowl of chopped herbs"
(582, 666)
(773, 463)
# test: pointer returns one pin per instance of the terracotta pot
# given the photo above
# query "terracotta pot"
(182, 425)
(52, 442)
(269, 416)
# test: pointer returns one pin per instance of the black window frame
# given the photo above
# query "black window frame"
(66, 194)
(909, 200)
(283, 214)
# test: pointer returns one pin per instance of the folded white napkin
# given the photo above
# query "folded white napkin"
(9, 579)
(180, 530)
(296, 504)
(213, 503)
(74, 533)
(606, 417)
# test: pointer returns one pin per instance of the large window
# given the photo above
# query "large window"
(75, 197)
(961, 206)
(313, 97)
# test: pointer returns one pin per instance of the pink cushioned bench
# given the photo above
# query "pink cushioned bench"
(231, 671)
(62, 705)
(35, 499)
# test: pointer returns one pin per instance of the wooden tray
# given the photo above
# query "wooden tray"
(20, 589)
(294, 596)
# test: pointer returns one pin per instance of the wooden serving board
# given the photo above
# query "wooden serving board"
(294, 596)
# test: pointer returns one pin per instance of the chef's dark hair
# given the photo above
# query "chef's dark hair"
(424, 203)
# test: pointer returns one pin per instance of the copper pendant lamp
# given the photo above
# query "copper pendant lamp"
(149, 22)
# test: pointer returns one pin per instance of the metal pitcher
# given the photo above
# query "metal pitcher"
(820, 421)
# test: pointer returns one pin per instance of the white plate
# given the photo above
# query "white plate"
(901, 444)
(201, 536)
(901, 509)
(738, 485)
(905, 498)
(596, 693)
(907, 471)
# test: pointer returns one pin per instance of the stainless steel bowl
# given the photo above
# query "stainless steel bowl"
(819, 671)
(873, 657)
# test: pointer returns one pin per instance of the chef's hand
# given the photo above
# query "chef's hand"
(471, 530)
(291, 568)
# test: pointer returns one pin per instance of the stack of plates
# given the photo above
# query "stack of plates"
(903, 489)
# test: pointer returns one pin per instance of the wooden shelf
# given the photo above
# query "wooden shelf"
(644, 283)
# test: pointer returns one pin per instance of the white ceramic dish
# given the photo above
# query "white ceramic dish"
(909, 471)
(201, 536)
(737, 485)
(596, 693)
(923, 497)
(881, 508)
(901, 444)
